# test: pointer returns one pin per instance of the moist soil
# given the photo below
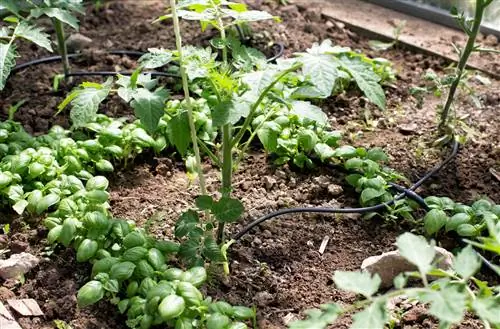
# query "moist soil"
(278, 266)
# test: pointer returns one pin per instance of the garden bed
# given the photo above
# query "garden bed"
(277, 266)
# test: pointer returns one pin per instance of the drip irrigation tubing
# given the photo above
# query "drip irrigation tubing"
(133, 53)
(404, 192)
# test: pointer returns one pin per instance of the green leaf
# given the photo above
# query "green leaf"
(374, 316)
(19, 206)
(149, 107)
(346, 152)
(212, 251)
(377, 154)
(434, 220)
(366, 79)
(204, 202)
(85, 102)
(488, 309)
(33, 34)
(7, 62)
(369, 194)
(178, 132)
(324, 151)
(155, 58)
(416, 250)
(228, 210)
(186, 223)
(447, 304)
(306, 110)
(353, 163)
(60, 14)
(467, 262)
(268, 135)
(322, 70)
(11, 6)
(362, 283)
(90, 293)
(456, 220)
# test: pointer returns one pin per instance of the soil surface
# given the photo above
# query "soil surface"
(278, 266)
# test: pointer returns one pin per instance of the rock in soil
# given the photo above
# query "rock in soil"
(390, 264)
(263, 298)
(7, 321)
(17, 264)
(77, 42)
(25, 307)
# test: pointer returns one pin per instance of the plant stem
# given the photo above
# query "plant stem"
(469, 48)
(227, 172)
(185, 87)
(61, 45)
(249, 118)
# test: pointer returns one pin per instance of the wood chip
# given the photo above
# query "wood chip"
(324, 243)
(7, 321)
(495, 174)
(25, 307)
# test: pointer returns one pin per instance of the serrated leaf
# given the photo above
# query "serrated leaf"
(416, 250)
(10, 5)
(178, 132)
(488, 309)
(229, 111)
(7, 62)
(149, 107)
(309, 111)
(33, 34)
(447, 304)
(366, 79)
(186, 223)
(85, 102)
(362, 283)
(212, 251)
(374, 316)
(155, 58)
(434, 220)
(322, 71)
(60, 14)
(467, 262)
(227, 210)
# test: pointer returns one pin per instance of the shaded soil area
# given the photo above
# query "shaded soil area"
(278, 266)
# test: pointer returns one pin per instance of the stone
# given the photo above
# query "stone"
(491, 40)
(408, 129)
(4, 240)
(25, 307)
(390, 264)
(263, 298)
(77, 42)
(322, 181)
(18, 246)
(269, 182)
(17, 264)
(7, 321)
(335, 190)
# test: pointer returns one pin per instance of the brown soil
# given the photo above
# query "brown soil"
(277, 266)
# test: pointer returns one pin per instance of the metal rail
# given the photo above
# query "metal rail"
(427, 12)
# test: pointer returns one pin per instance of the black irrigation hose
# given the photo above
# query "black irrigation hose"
(52, 59)
(409, 192)
(112, 73)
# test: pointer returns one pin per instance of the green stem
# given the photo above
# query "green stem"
(469, 48)
(209, 152)
(227, 172)
(61, 45)
(249, 118)
(185, 87)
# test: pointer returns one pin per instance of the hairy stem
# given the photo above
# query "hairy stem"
(61, 45)
(227, 172)
(469, 48)
(249, 118)
(185, 87)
